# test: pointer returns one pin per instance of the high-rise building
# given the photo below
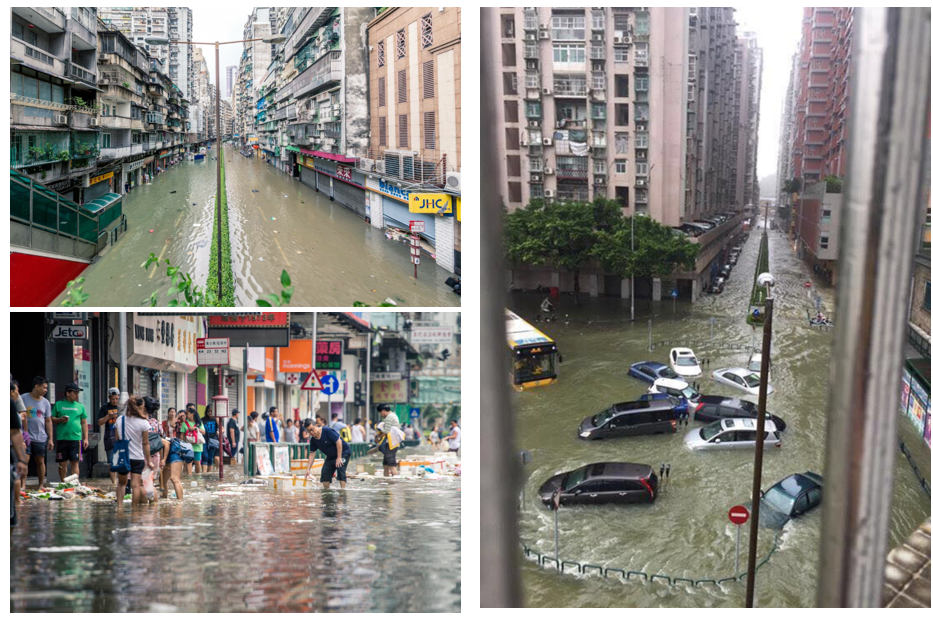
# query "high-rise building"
(820, 134)
(641, 105)
(174, 23)
(231, 80)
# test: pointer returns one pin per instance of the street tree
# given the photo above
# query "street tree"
(659, 251)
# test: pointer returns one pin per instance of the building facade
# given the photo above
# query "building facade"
(640, 105)
(231, 80)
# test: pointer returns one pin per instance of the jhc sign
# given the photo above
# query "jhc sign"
(430, 203)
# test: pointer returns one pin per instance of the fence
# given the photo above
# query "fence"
(924, 484)
(581, 568)
(295, 451)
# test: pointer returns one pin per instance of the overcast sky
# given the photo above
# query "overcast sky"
(778, 29)
(219, 24)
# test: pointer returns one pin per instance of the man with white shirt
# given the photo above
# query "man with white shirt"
(453, 438)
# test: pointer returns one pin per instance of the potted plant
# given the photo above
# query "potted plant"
(64, 155)
(34, 153)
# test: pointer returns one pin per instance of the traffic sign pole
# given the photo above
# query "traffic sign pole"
(738, 515)
(738, 539)
(414, 227)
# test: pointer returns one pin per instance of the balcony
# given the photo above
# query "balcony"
(36, 58)
(118, 153)
(85, 32)
(51, 20)
(572, 174)
(116, 122)
(326, 71)
(314, 19)
(81, 74)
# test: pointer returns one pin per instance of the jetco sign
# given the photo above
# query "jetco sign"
(67, 331)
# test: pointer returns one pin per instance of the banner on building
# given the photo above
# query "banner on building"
(439, 334)
(430, 203)
(343, 173)
(97, 179)
(395, 391)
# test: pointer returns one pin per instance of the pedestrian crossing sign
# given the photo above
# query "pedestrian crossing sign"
(312, 382)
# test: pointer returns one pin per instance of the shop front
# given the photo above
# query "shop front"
(162, 358)
(99, 185)
(338, 178)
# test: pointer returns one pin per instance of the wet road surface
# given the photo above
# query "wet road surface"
(380, 545)
(685, 532)
(333, 257)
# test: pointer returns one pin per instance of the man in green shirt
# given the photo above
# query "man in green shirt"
(70, 420)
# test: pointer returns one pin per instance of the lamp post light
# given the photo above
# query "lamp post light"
(274, 40)
(766, 280)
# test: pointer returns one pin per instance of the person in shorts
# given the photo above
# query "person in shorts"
(134, 426)
(336, 453)
(389, 422)
(453, 438)
(39, 424)
(107, 418)
(70, 420)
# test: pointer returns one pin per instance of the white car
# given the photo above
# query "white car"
(731, 433)
(740, 378)
(685, 363)
(754, 363)
(677, 388)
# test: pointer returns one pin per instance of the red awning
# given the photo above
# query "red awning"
(327, 155)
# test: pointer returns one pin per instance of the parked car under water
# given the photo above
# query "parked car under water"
(789, 498)
(601, 483)
(649, 371)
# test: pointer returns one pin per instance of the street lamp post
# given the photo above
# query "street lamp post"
(155, 40)
(764, 279)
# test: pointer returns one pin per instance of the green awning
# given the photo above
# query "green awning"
(293, 148)
(101, 203)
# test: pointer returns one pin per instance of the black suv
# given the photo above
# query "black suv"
(601, 483)
(711, 408)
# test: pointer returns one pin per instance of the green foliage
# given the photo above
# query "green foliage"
(759, 293)
(357, 303)
(229, 285)
(64, 155)
(189, 294)
(833, 184)
(277, 300)
(75, 293)
(791, 186)
(658, 250)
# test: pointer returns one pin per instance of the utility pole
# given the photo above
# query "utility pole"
(124, 394)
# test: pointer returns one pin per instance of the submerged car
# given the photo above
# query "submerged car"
(649, 371)
(631, 418)
(601, 483)
(681, 406)
(791, 497)
(685, 363)
(731, 433)
(718, 285)
(710, 408)
(678, 388)
(740, 378)
(754, 363)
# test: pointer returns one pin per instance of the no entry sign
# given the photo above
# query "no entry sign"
(738, 515)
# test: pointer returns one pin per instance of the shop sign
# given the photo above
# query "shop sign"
(385, 376)
(395, 391)
(171, 339)
(393, 191)
(66, 331)
(213, 351)
(430, 203)
(329, 354)
(343, 173)
(148, 160)
(250, 320)
(135, 165)
(97, 179)
(431, 335)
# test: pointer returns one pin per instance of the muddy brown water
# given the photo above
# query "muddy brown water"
(685, 532)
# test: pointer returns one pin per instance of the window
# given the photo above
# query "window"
(135, 137)
(641, 22)
(403, 86)
(641, 139)
(599, 166)
(622, 196)
(381, 54)
(382, 92)
(514, 165)
(511, 139)
(427, 31)
(599, 20)
(569, 53)
(824, 242)
(382, 130)
(507, 27)
(621, 85)
(105, 140)
(598, 80)
(621, 114)
(691, 67)
(508, 54)
(531, 80)
(532, 109)
(620, 21)
(926, 298)
(641, 168)
(641, 84)
(569, 27)
(621, 143)
(620, 166)
(429, 135)
(509, 83)
(400, 44)
(536, 191)
(515, 192)
(827, 214)
(621, 54)
(511, 111)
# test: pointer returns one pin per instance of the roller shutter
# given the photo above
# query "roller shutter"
(192, 388)
(350, 196)
(96, 190)
(211, 386)
(169, 382)
(396, 214)
(308, 176)
(145, 383)
(233, 390)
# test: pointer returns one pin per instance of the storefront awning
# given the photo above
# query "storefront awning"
(101, 203)
(293, 148)
(328, 155)
(29, 127)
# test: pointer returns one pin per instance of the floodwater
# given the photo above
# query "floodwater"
(380, 545)
(685, 532)
(333, 257)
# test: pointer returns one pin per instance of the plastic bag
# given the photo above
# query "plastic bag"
(148, 486)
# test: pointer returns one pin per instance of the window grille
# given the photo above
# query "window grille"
(400, 44)
(427, 31)
(403, 131)
(381, 53)
(428, 79)
(403, 86)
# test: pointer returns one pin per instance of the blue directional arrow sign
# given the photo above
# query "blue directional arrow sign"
(330, 384)
(674, 293)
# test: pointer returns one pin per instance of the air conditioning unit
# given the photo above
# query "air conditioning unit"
(548, 171)
(534, 123)
(627, 39)
(366, 164)
(639, 182)
(597, 36)
(453, 181)
(600, 180)
(63, 119)
(381, 167)
(93, 122)
(618, 40)
(536, 178)
(549, 193)
(543, 34)
(524, 142)
(547, 141)
(641, 127)
(545, 91)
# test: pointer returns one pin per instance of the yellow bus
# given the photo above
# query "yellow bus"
(533, 355)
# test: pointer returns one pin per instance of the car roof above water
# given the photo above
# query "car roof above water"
(619, 470)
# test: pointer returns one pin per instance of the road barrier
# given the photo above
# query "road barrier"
(924, 484)
(582, 569)
(296, 452)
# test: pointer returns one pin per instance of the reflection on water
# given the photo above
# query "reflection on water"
(333, 257)
(685, 532)
(380, 545)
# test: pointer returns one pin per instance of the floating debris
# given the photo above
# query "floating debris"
(58, 550)
(173, 192)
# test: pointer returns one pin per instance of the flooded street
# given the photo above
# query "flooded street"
(685, 532)
(380, 545)
(332, 256)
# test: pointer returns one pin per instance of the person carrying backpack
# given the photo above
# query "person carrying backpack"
(191, 431)
(134, 427)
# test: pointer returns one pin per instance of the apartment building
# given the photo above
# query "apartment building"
(205, 95)
(820, 134)
(414, 103)
(231, 80)
(226, 113)
(253, 63)
(640, 105)
(748, 83)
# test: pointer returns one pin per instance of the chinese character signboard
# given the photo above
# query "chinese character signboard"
(328, 354)
(213, 351)
(432, 335)
(250, 320)
(395, 391)
(343, 173)
(270, 330)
